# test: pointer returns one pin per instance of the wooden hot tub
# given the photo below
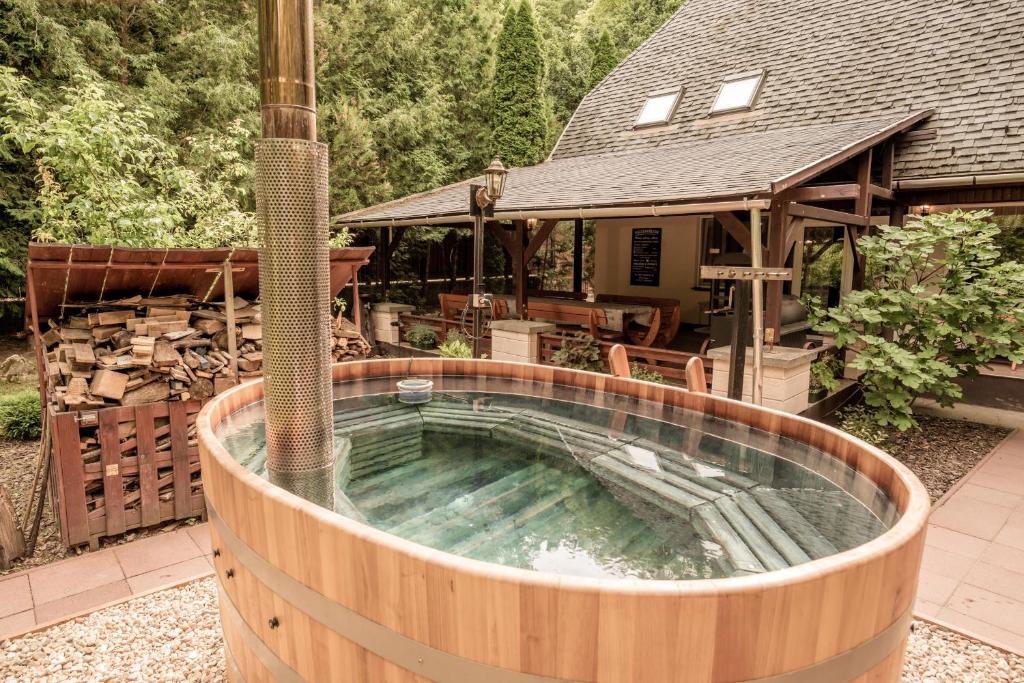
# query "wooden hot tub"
(307, 594)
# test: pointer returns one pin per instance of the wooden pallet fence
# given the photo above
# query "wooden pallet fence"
(124, 468)
(670, 364)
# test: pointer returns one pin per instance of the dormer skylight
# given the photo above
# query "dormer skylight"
(738, 93)
(658, 108)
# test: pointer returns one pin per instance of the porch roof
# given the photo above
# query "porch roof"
(744, 170)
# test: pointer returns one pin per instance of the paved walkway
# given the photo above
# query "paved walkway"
(82, 584)
(972, 579)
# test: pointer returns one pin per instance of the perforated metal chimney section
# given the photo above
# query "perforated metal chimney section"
(292, 215)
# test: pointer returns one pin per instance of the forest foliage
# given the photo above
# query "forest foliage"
(132, 122)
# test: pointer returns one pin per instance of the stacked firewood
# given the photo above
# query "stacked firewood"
(151, 349)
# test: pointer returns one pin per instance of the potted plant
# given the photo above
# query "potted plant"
(421, 336)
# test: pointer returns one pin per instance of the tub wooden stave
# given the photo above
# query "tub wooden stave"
(443, 610)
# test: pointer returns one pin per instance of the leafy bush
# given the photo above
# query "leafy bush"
(637, 371)
(422, 337)
(20, 415)
(581, 352)
(456, 345)
(940, 304)
(824, 372)
(860, 422)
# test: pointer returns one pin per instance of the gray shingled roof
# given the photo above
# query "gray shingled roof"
(829, 60)
(736, 166)
(837, 70)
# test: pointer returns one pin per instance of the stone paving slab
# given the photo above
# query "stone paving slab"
(77, 585)
(972, 576)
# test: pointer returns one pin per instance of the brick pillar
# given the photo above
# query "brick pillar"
(518, 340)
(787, 376)
(384, 316)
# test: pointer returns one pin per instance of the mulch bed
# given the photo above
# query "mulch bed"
(942, 451)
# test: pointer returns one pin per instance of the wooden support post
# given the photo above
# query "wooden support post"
(384, 265)
(577, 256)
(776, 259)
(229, 311)
(519, 265)
(740, 338)
(37, 344)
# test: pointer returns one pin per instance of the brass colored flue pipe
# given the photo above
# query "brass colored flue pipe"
(287, 76)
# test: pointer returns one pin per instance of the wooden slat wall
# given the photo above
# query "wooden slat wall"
(120, 511)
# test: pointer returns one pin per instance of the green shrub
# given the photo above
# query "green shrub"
(456, 346)
(422, 337)
(581, 352)
(637, 371)
(20, 415)
(860, 422)
(824, 372)
(940, 303)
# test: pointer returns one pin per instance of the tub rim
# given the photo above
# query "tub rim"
(913, 517)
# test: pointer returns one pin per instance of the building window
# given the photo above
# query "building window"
(738, 92)
(658, 109)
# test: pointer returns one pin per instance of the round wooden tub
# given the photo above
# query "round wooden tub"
(307, 594)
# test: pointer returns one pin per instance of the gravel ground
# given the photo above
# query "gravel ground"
(173, 635)
(936, 655)
(17, 467)
(181, 629)
(942, 451)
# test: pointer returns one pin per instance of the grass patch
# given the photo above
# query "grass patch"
(20, 415)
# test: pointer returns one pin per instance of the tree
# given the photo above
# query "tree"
(941, 304)
(519, 116)
(103, 177)
(605, 59)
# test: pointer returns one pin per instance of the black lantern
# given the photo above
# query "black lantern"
(494, 179)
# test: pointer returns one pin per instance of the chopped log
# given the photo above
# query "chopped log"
(83, 354)
(201, 388)
(108, 384)
(105, 332)
(110, 317)
(50, 337)
(164, 355)
(252, 331)
(148, 393)
(209, 327)
(78, 386)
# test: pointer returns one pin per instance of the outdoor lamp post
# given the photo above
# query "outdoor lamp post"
(481, 204)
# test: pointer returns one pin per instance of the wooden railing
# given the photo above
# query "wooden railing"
(669, 364)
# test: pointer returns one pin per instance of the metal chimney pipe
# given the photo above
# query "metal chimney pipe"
(292, 214)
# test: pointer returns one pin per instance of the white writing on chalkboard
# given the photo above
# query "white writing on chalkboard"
(645, 262)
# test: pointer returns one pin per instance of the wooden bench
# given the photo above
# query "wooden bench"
(564, 315)
(669, 320)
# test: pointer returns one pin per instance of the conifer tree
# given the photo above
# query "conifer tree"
(519, 116)
(606, 58)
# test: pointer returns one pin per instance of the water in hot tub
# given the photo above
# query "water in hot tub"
(575, 489)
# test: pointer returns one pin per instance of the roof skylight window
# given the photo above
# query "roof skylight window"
(658, 108)
(738, 92)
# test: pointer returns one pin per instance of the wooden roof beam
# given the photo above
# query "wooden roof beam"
(735, 227)
(539, 238)
(828, 215)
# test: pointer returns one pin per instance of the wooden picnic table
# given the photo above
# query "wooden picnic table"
(619, 315)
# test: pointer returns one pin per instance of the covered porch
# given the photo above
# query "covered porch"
(652, 218)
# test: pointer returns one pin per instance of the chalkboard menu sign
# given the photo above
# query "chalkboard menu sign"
(645, 264)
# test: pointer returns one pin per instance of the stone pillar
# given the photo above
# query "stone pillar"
(384, 317)
(787, 376)
(518, 340)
